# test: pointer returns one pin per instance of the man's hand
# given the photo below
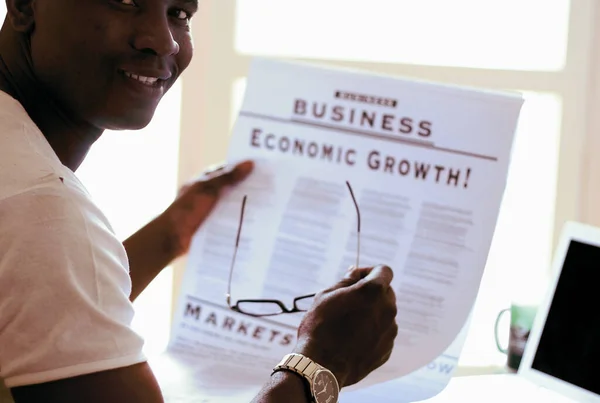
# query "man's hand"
(197, 199)
(169, 235)
(351, 327)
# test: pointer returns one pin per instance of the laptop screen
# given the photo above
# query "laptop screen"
(569, 346)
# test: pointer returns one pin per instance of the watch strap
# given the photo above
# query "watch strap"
(299, 364)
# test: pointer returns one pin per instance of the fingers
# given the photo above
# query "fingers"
(229, 175)
(352, 276)
(381, 275)
(355, 274)
(209, 171)
(220, 176)
(243, 169)
(391, 296)
(383, 359)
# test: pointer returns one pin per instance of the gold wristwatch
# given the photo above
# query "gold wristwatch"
(322, 383)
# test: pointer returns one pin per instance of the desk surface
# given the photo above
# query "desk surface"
(501, 388)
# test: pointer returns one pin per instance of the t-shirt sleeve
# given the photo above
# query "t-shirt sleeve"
(64, 288)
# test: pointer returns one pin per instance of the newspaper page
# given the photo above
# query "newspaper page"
(427, 164)
(421, 384)
(184, 378)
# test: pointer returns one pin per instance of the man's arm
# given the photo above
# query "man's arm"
(169, 236)
(137, 384)
(134, 384)
(283, 387)
(358, 311)
(149, 251)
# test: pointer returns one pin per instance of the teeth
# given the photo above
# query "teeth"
(142, 79)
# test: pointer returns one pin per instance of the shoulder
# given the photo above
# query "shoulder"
(66, 309)
(25, 155)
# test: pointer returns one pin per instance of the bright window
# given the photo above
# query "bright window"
(521, 249)
(237, 97)
(132, 176)
(495, 34)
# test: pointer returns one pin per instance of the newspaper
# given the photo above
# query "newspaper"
(186, 378)
(427, 165)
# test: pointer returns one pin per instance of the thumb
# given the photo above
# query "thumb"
(242, 170)
(352, 276)
(229, 175)
(381, 274)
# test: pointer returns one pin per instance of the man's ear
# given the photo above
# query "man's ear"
(20, 14)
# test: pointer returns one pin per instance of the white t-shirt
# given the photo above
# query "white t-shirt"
(64, 276)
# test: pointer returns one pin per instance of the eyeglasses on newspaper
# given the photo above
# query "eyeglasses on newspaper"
(272, 307)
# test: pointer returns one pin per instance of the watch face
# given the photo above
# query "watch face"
(325, 387)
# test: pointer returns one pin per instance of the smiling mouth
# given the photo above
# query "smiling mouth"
(149, 81)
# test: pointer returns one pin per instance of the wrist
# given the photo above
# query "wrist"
(290, 379)
(173, 243)
(283, 385)
(327, 359)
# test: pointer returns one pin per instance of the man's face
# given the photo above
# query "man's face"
(109, 62)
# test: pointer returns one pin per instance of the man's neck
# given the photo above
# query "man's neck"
(69, 138)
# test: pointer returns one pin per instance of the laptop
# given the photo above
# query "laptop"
(561, 361)
(562, 354)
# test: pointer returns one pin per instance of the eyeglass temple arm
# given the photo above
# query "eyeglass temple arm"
(239, 231)
(357, 224)
(235, 250)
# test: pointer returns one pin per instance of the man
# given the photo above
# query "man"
(70, 69)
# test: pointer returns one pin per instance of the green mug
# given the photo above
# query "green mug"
(521, 322)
